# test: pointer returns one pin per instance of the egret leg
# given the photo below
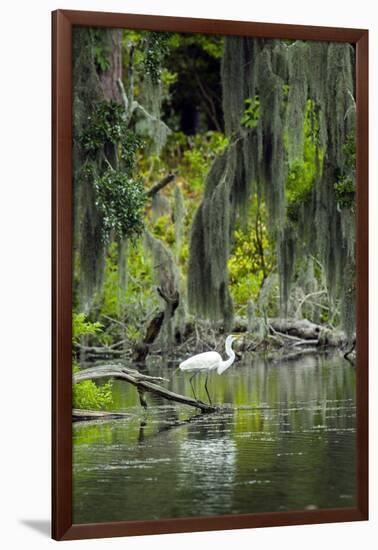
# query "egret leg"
(190, 380)
(207, 391)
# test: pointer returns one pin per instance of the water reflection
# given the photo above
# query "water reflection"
(284, 440)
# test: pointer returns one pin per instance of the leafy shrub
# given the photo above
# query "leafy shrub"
(251, 113)
(107, 124)
(121, 200)
(156, 50)
(302, 172)
(82, 327)
(198, 157)
(345, 190)
(252, 258)
(101, 49)
(87, 395)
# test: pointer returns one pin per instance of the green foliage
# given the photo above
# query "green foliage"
(212, 45)
(302, 172)
(191, 157)
(345, 186)
(109, 296)
(168, 78)
(121, 200)
(349, 150)
(194, 101)
(163, 229)
(285, 92)
(198, 158)
(101, 50)
(301, 198)
(157, 48)
(140, 297)
(82, 327)
(345, 191)
(129, 146)
(107, 124)
(251, 113)
(187, 70)
(87, 395)
(120, 197)
(252, 257)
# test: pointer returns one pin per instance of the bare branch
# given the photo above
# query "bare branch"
(318, 293)
(160, 185)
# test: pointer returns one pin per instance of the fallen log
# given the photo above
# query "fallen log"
(296, 329)
(144, 384)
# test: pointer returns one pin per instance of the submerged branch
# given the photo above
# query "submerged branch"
(82, 414)
(142, 382)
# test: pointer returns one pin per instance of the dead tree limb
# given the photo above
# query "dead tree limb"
(160, 184)
(142, 382)
(141, 349)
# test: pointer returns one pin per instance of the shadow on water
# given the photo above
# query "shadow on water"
(283, 439)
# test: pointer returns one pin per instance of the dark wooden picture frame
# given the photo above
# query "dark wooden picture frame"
(62, 24)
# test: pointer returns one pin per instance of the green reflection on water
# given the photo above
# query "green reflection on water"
(284, 440)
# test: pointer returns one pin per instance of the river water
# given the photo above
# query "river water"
(284, 439)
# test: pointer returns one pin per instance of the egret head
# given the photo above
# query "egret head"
(232, 337)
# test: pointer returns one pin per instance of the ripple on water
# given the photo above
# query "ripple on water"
(284, 440)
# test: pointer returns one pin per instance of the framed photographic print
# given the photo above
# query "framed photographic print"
(210, 297)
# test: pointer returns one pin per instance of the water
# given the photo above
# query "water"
(283, 440)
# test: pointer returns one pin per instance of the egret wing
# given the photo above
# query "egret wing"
(202, 361)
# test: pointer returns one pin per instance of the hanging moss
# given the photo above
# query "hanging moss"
(287, 78)
(89, 247)
(122, 275)
(286, 263)
(208, 291)
(297, 99)
(149, 121)
(233, 83)
(179, 214)
(271, 151)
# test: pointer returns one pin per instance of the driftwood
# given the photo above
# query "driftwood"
(286, 333)
(142, 382)
(303, 329)
(297, 330)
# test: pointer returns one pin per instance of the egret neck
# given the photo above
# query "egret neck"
(231, 354)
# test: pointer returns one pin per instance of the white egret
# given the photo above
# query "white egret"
(208, 361)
